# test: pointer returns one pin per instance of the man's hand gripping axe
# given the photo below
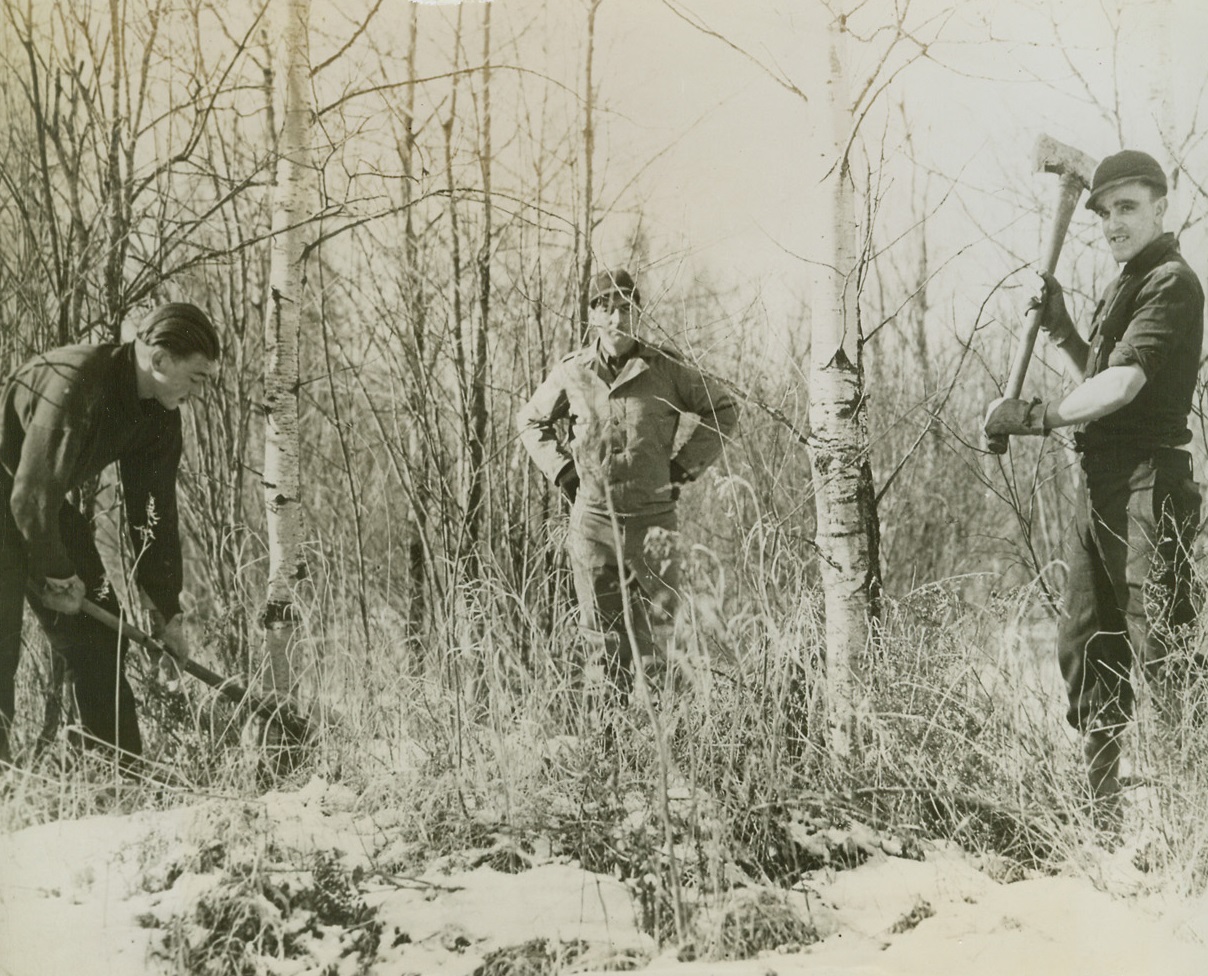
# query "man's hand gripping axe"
(1074, 169)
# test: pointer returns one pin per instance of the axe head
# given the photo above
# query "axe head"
(1066, 161)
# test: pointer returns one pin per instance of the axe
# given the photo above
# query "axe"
(1074, 169)
(294, 725)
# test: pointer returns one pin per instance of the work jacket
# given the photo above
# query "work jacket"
(67, 415)
(619, 435)
(1151, 317)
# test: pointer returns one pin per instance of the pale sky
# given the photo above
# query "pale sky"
(724, 152)
(735, 189)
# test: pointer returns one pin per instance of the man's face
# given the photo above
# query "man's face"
(174, 380)
(1132, 218)
(615, 320)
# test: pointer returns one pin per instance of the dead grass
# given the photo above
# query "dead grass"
(479, 760)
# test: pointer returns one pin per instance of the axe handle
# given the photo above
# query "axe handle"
(1068, 191)
(227, 687)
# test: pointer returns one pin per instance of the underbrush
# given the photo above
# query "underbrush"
(253, 915)
(713, 798)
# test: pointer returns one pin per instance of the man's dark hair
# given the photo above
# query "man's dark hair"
(182, 329)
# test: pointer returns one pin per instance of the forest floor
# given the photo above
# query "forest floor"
(165, 892)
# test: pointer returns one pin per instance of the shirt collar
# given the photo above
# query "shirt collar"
(1152, 254)
(132, 404)
(637, 350)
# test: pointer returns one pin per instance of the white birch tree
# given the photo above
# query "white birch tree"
(287, 282)
(847, 527)
(847, 531)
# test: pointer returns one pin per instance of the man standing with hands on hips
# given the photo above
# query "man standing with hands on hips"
(603, 428)
(1128, 550)
(67, 415)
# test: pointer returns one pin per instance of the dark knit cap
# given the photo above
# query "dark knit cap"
(182, 329)
(614, 282)
(1126, 167)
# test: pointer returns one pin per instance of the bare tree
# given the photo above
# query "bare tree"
(417, 308)
(476, 409)
(287, 283)
(583, 232)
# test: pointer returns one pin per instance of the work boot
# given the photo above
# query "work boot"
(1102, 753)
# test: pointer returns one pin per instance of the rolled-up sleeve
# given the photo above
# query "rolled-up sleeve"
(1165, 301)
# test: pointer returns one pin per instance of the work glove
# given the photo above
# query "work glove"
(568, 481)
(679, 477)
(171, 634)
(1055, 320)
(62, 595)
(1009, 416)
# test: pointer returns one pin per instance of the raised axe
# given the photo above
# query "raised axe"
(282, 714)
(1074, 170)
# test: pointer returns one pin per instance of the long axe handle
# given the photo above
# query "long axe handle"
(1069, 189)
(229, 688)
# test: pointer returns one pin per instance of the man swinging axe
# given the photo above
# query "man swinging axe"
(1129, 587)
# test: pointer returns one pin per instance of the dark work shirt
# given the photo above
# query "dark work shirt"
(1151, 317)
(67, 415)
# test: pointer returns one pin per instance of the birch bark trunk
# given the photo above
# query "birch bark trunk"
(282, 475)
(847, 530)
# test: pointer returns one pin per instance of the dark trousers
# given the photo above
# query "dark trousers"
(1130, 585)
(647, 574)
(96, 660)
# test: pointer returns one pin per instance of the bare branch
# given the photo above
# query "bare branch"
(775, 74)
(364, 25)
(393, 85)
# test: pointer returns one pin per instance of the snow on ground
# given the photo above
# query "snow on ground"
(93, 897)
